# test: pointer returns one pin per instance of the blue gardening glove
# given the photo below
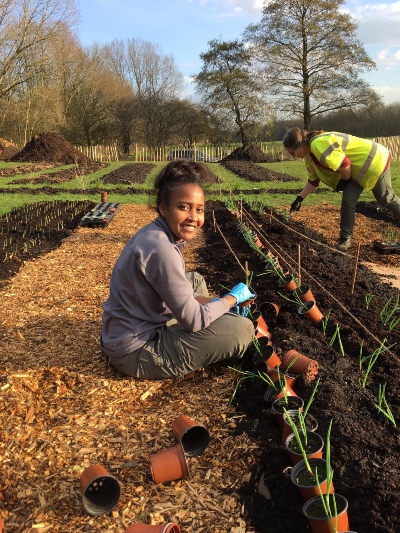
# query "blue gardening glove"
(242, 293)
(342, 185)
(296, 204)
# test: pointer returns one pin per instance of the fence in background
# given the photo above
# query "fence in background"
(100, 153)
(392, 144)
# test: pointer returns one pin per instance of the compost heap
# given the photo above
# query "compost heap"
(51, 148)
(250, 152)
(7, 150)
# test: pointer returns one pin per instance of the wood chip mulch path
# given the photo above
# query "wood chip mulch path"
(64, 409)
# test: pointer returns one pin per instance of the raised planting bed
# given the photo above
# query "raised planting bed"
(101, 215)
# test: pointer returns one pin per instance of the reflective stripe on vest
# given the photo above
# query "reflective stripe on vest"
(367, 164)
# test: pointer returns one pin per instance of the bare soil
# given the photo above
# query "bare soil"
(65, 409)
(129, 174)
(252, 172)
(61, 176)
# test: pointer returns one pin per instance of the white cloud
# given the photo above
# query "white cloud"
(379, 23)
(388, 58)
(390, 94)
(232, 8)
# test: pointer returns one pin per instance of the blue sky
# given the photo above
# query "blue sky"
(184, 27)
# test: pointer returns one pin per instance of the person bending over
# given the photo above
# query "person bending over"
(158, 321)
(345, 163)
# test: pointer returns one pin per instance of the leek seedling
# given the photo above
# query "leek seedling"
(382, 400)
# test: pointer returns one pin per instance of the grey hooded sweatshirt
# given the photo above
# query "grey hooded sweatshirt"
(148, 287)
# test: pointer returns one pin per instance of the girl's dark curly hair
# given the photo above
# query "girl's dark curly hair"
(176, 173)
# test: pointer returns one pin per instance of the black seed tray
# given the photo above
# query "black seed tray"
(101, 215)
(386, 249)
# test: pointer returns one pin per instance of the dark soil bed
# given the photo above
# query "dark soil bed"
(128, 174)
(365, 445)
(61, 176)
(252, 172)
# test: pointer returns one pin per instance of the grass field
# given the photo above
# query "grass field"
(228, 182)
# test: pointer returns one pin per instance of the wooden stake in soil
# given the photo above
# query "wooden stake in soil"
(355, 269)
(246, 269)
(215, 229)
(299, 264)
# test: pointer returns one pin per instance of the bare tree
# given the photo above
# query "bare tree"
(26, 27)
(155, 82)
(311, 56)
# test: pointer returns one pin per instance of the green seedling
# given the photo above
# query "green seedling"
(328, 500)
(387, 313)
(371, 359)
(324, 321)
(246, 374)
(382, 401)
(390, 235)
(337, 335)
(368, 298)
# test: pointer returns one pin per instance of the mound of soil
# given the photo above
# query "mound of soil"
(250, 152)
(7, 150)
(50, 147)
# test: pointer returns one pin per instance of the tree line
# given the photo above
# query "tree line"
(300, 65)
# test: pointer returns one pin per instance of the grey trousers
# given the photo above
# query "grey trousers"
(174, 352)
(383, 193)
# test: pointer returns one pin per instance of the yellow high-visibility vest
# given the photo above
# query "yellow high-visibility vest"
(368, 158)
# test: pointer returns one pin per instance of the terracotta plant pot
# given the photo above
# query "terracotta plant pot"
(304, 293)
(260, 326)
(288, 283)
(279, 390)
(298, 363)
(193, 436)
(306, 483)
(104, 196)
(310, 310)
(294, 403)
(265, 353)
(314, 511)
(268, 310)
(310, 421)
(148, 528)
(315, 445)
(100, 491)
(169, 464)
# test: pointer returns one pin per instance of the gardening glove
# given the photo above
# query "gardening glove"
(342, 185)
(296, 204)
(242, 293)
